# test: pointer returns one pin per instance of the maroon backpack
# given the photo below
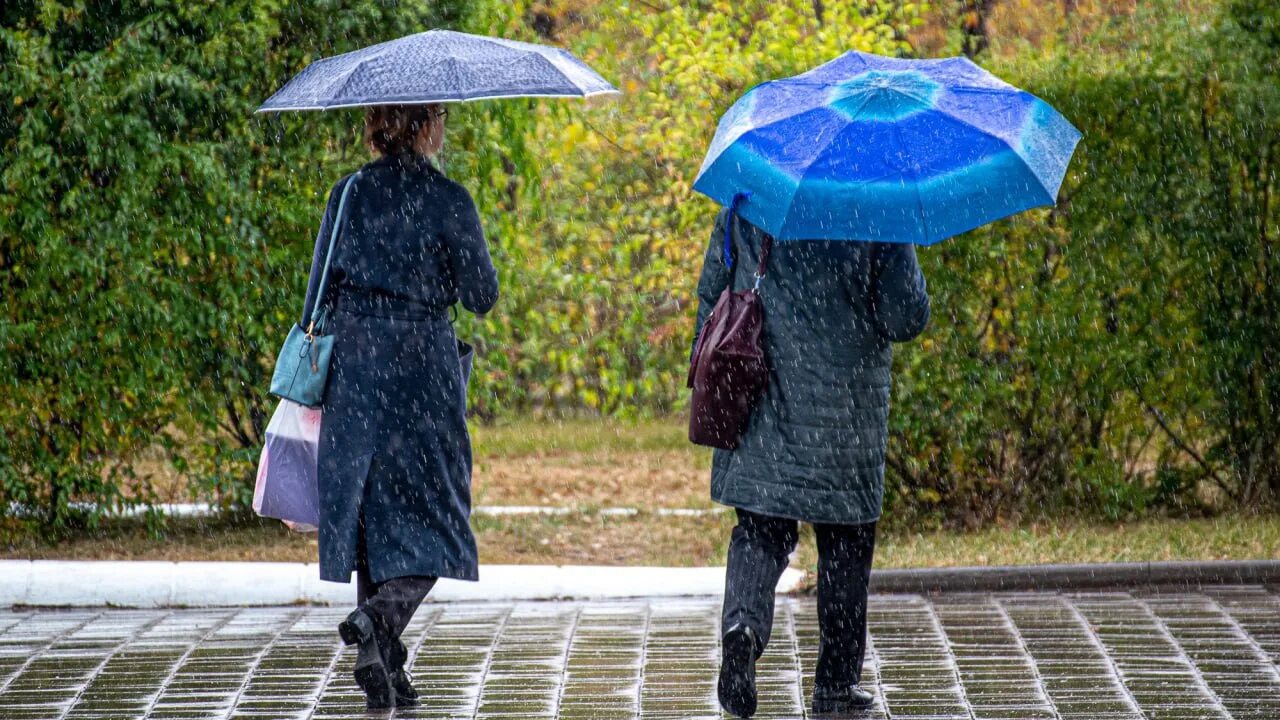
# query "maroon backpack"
(728, 371)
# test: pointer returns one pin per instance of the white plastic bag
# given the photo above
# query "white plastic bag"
(288, 469)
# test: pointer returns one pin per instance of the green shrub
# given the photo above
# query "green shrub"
(1115, 353)
(155, 234)
(1112, 356)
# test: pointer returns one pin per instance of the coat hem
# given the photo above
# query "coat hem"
(796, 503)
(774, 511)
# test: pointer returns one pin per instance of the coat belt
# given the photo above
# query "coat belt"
(386, 306)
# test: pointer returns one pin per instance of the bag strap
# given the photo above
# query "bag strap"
(766, 245)
(738, 198)
(318, 311)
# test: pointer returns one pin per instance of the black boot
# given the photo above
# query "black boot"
(371, 673)
(401, 682)
(841, 702)
(737, 686)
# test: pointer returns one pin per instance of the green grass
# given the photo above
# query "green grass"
(646, 539)
(587, 464)
(525, 437)
(1225, 538)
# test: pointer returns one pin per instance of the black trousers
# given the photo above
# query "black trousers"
(758, 554)
(391, 604)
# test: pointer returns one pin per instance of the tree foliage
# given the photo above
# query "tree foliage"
(598, 291)
(154, 233)
(1115, 354)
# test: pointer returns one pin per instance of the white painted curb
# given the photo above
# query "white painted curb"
(145, 584)
(198, 510)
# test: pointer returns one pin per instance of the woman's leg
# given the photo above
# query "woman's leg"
(386, 609)
(844, 570)
(394, 602)
(390, 604)
(758, 553)
(365, 586)
(367, 632)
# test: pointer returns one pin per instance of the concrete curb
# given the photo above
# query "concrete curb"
(147, 584)
(1075, 577)
(201, 510)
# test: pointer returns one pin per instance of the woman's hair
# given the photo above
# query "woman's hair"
(394, 129)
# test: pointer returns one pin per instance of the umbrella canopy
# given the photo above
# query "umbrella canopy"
(873, 148)
(437, 66)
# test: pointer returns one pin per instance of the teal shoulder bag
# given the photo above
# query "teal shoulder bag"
(302, 368)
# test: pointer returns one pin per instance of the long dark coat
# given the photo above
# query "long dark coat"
(394, 447)
(814, 446)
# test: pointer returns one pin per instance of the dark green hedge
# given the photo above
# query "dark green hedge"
(152, 229)
(1114, 356)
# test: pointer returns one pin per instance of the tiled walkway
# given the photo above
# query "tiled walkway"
(1095, 656)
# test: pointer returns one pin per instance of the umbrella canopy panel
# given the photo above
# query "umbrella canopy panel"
(437, 66)
(873, 148)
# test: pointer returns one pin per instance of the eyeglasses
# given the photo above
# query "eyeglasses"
(442, 113)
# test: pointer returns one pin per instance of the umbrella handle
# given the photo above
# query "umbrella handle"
(728, 227)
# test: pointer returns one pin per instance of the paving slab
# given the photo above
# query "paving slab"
(1098, 655)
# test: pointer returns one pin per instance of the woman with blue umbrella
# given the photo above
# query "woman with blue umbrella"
(893, 153)
(400, 245)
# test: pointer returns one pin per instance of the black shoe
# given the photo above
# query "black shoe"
(842, 702)
(371, 671)
(737, 686)
(402, 685)
(401, 682)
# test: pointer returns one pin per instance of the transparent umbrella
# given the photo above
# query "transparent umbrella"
(437, 66)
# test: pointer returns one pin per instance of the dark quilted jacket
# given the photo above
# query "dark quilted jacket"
(814, 448)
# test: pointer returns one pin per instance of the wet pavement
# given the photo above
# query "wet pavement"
(1098, 656)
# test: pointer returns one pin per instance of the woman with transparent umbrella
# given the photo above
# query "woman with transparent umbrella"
(395, 454)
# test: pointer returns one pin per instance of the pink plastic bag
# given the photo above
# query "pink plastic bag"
(287, 488)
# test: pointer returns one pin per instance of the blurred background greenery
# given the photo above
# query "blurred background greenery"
(1116, 356)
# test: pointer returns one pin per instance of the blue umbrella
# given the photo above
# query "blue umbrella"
(874, 148)
(437, 66)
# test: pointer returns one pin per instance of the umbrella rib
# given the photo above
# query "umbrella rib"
(802, 108)
(803, 175)
(346, 76)
(438, 62)
(915, 186)
(539, 58)
(1000, 140)
(822, 104)
(856, 55)
(1005, 90)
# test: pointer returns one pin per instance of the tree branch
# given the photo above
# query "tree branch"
(1177, 440)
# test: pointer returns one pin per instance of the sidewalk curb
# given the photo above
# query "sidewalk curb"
(149, 584)
(204, 510)
(1076, 577)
